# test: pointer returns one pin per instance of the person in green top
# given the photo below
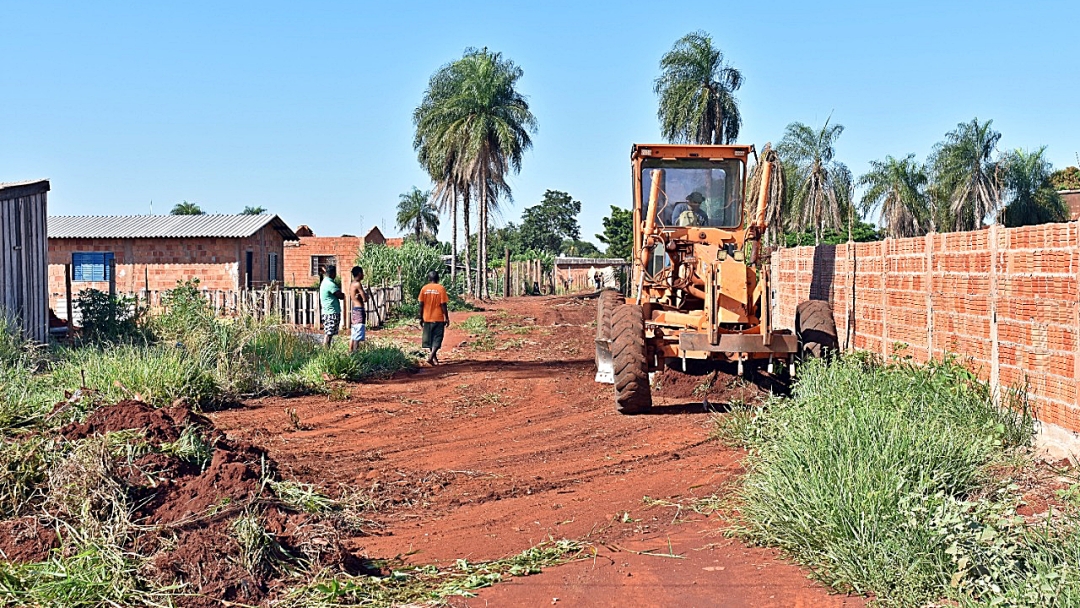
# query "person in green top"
(331, 296)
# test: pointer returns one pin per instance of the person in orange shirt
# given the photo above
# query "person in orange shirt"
(434, 317)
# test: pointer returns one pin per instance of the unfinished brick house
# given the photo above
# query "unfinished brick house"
(153, 252)
(310, 254)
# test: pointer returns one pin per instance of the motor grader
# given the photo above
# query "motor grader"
(700, 286)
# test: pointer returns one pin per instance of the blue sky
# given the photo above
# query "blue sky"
(305, 108)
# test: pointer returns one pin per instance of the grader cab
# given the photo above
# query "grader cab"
(700, 286)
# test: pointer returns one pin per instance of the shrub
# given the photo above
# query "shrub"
(412, 260)
(107, 318)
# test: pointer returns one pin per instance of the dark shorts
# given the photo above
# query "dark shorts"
(433, 335)
(330, 323)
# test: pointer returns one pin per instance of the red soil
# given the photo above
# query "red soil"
(185, 513)
(26, 540)
(495, 451)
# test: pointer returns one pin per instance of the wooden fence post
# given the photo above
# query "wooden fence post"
(67, 290)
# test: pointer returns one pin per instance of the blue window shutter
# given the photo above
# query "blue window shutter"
(91, 266)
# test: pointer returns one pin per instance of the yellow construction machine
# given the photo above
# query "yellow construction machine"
(700, 287)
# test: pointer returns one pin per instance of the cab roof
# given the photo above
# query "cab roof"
(674, 151)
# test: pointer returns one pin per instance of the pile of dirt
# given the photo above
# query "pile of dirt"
(719, 386)
(188, 510)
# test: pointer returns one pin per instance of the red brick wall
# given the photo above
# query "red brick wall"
(1004, 299)
(218, 263)
(573, 279)
(298, 258)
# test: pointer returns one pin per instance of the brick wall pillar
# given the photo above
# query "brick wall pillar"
(884, 248)
(995, 363)
(929, 278)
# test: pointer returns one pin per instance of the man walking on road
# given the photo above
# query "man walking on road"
(330, 296)
(434, 316)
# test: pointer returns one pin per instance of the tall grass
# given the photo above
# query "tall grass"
(194, 356)
(868, 476)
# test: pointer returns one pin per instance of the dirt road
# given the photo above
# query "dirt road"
(510, 442)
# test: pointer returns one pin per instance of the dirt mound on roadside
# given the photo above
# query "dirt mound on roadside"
(206, 515)
(164, 424)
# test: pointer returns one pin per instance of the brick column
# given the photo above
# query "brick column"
(929, 278)
(885, 351)
(995, 364)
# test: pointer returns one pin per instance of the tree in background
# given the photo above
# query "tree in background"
(966, 185)
(861, 232)
(545, 226)
(249, 210)
(186, 208)
(618, 233)
(821, 185)
(576, 248)
(697, 93)
(898, 188)
(1030, 194)
(439, 158)
(417, 214)
(474, 127)
(1066, 179)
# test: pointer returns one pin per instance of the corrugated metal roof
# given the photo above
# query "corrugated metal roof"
(163, 226)
(572, 261)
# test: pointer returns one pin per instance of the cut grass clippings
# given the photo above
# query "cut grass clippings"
(868, 477)
(414, 585)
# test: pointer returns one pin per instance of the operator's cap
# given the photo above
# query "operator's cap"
(695, 197)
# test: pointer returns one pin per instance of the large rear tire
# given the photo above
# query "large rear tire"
(633, 395)
(608, 301)
(816, 330)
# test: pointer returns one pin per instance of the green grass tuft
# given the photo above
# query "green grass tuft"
(874, 476)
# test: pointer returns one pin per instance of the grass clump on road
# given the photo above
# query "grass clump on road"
(875, 476)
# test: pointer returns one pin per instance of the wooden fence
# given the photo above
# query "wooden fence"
(301, 307)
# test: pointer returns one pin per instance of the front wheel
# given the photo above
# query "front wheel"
(633, 395)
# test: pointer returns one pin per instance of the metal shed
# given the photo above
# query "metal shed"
(24, 256)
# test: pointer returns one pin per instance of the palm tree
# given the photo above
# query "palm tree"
(186, 208)
(249, 210)
(1029, 190)
(473, 128)
(439, 159)
(777, 192)
(965, 176)
(416, 213)
(697, 93)
(818, 198)
(898, 187)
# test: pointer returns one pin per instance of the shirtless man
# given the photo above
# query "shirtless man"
(359, 309)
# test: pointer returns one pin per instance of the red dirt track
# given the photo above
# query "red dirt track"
(506, 445)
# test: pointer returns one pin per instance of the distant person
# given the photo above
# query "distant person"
(689, 213)
(536, 288)
(596, 280)
(330, 296)
(434, 316)
(358, 322)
